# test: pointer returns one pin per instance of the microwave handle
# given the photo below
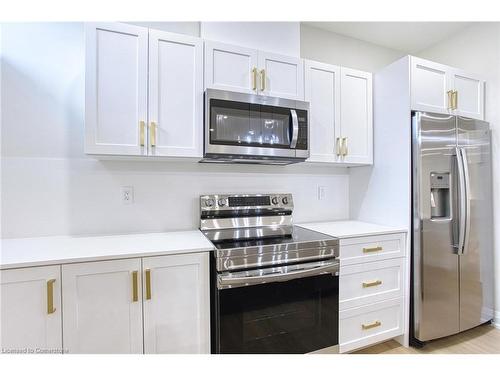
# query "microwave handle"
(295, 128)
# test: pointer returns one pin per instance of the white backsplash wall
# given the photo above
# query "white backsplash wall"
(50, 187)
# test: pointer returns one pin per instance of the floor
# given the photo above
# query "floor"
(481, 340)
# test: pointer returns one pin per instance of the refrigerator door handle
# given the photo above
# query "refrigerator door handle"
(461, 201)
(465, 162)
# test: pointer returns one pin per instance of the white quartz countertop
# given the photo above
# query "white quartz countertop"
(351, 228)
(38, 251)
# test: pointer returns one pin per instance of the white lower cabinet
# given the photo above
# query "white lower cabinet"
(102, 306)
(177, 304)
(370, 282)
(30, 302)
(370, 324)
(115, 306)
(371, 289)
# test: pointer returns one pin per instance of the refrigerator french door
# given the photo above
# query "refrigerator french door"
(452, 264)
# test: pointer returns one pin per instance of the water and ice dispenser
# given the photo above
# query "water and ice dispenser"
(440, 195)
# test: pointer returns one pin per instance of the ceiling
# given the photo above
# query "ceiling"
(409, 37)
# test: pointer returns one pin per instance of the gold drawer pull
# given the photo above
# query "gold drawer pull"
(375, 324)
(148, 284)
(372, 249)
(135, 287)
(50, 296)
(372, 283)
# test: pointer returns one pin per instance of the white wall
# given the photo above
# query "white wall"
(320, 45)
(277, 37)
(49, 187)
(477, 49)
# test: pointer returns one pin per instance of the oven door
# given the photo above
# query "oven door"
(248, 125)
(289, 309)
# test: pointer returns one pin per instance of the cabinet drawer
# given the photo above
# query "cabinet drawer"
(367, 325)
(371, 248)
(371, 282)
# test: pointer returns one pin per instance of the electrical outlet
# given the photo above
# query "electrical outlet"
(321, 192)
(127, 194)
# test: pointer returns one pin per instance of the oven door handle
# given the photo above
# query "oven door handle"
(295, 128)
(276, 274)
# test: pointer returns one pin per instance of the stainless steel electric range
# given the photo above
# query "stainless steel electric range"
(274, 285)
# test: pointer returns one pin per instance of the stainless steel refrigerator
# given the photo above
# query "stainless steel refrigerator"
(452, 249)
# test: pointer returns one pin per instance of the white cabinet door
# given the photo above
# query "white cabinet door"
(322, 91)
(430, 84)
(102, 304)
(177, 307)
(229, 67)
(175, 94)
(31, 310)
(281, 76)
(470, 94)
(116, 69)
(356, 116)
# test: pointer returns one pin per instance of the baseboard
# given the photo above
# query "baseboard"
(496, 320)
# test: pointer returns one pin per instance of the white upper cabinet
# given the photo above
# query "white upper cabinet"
(102, 304)
(229, 67)
(120, 119)
(177, 304)
(442, 89)
(469, 94)
(322, 91)
(281, 76)
(246, 70)
(430, 85)
(175, 95)
(31, 309)
(356, 117)
(116, 69)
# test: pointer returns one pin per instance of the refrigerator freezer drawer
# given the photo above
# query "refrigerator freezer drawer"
(367, 325)
(371, 282)
(372, 248)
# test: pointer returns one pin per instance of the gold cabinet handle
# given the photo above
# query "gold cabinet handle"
(142, 125)
(148, 284)
(455, 100)
(254, 79)
(135, 287)
(50, 296)
(372, 249)
(262, 80)
(450, 99)
(152, 134)
(337, 146)
(372, 283)
(344, 146)
(376, 323)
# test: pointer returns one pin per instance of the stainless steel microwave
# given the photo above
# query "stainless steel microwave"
(249, 128)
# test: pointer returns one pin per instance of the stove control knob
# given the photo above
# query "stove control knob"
(222, 202)
(209, 202)
(275, 200)
(285, 200)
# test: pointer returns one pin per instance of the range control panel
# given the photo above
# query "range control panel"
(246, 201)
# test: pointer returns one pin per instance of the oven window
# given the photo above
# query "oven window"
(297, 316)
(253, 125)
